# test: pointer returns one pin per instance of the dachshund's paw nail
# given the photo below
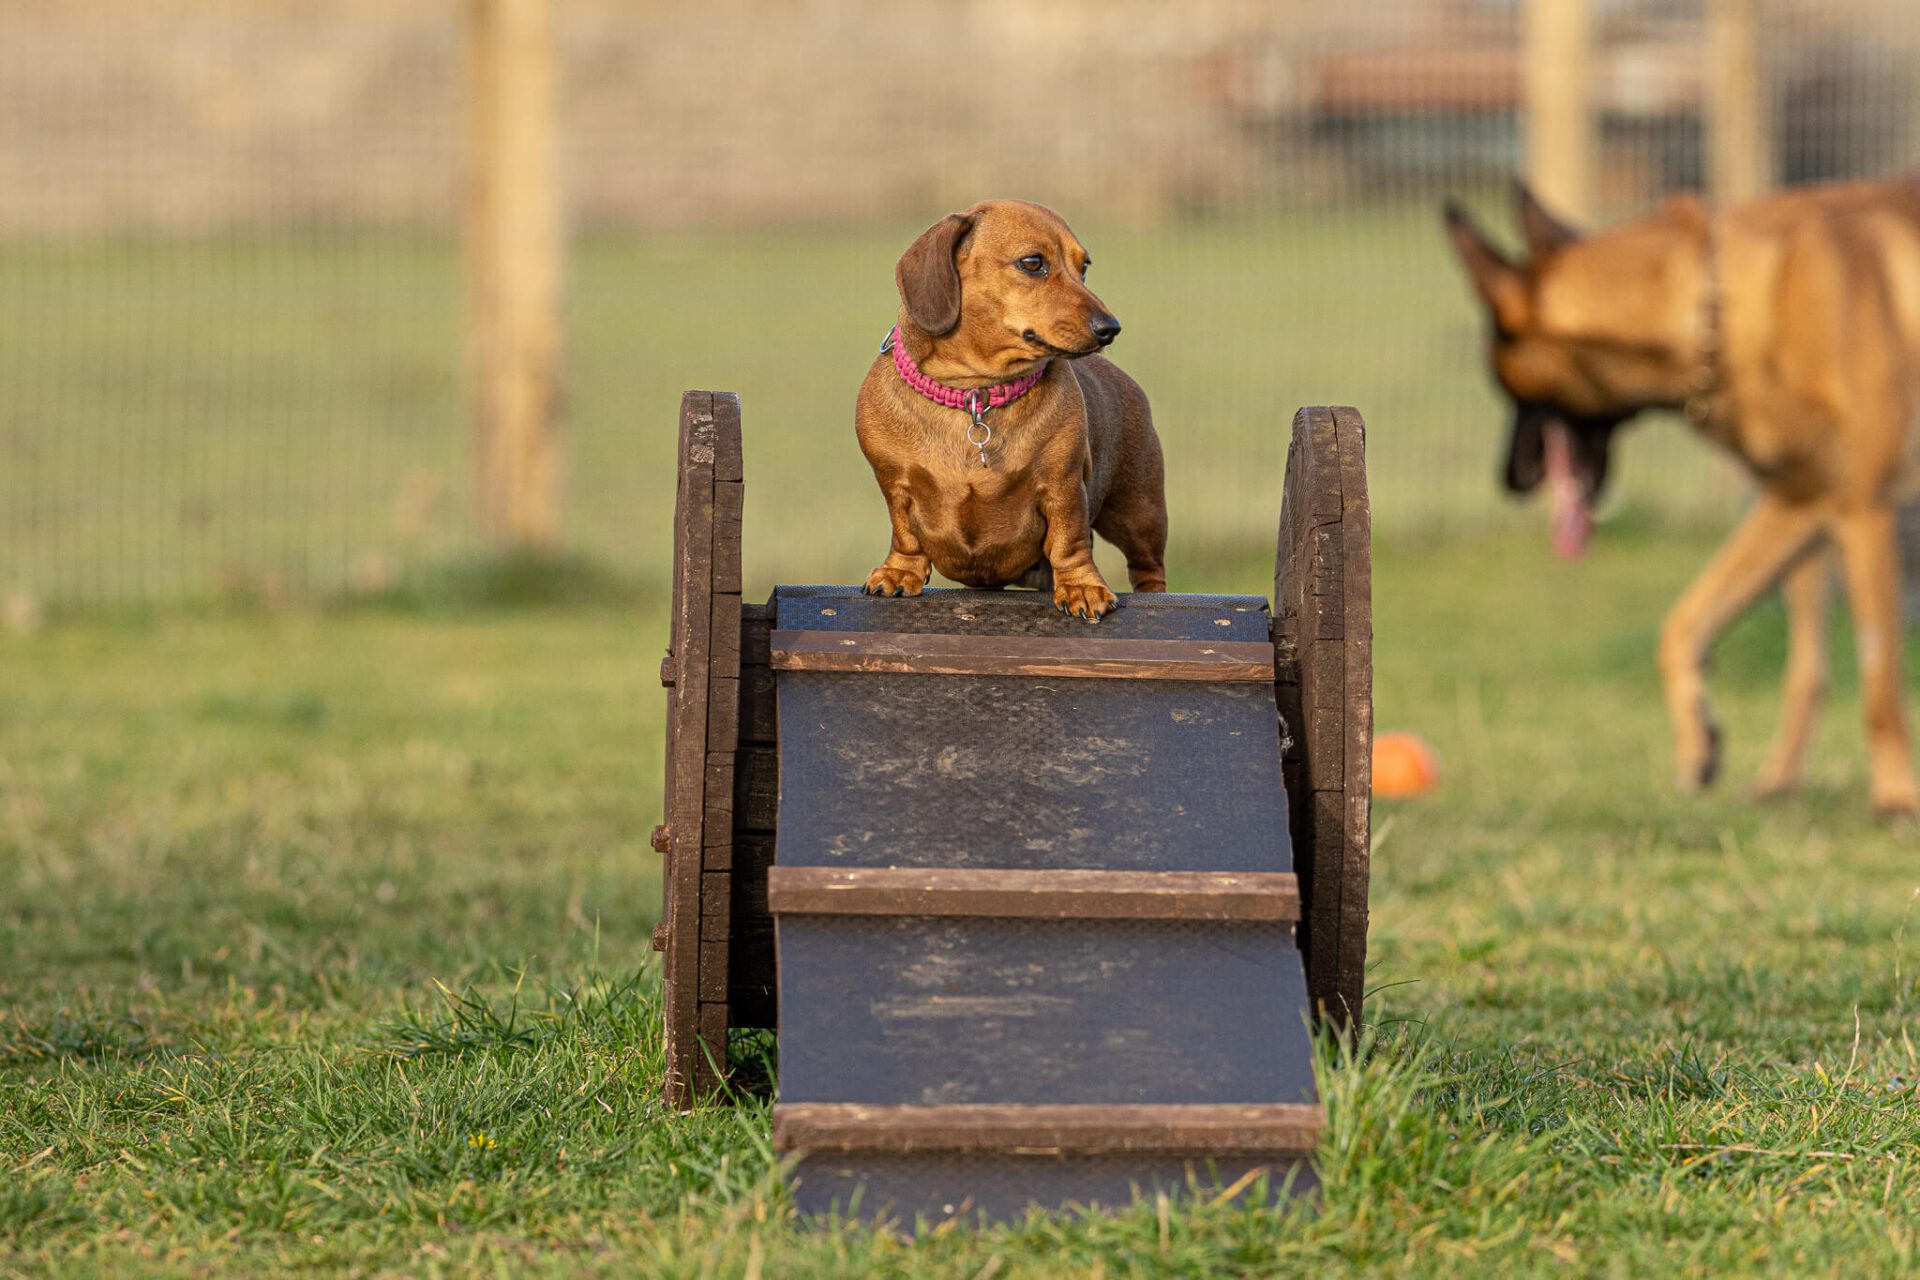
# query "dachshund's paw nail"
(1088, 603)
(891, 582)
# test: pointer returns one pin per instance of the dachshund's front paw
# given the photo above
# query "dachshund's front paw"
(890, 581)
(1090, 599)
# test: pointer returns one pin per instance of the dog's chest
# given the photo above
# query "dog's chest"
(978, 525)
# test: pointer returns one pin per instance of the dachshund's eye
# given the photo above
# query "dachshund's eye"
(1033, 264)
(1084, 266)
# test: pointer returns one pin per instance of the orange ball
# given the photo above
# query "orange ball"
(1403, 765)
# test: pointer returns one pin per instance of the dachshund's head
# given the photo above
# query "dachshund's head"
(1001, 288)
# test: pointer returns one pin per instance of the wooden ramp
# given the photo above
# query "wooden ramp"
(1044, 891)
(1035, 905)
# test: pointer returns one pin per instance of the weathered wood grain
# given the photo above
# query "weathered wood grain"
(1033, 895)
(729, 502)
(704, 703)
(757, 706)
(713, 979)
(687, 712)
(750, 957)
(950, 611)
(729, 456)
(1207, 1130)
(756, 629)
(750, 947)
(1356, 529)
(1322, 634)
(1080, 657)
(716, 905)
(756, 789)
(717, 822)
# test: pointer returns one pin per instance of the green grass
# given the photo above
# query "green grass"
(323, 945)
(280, 414)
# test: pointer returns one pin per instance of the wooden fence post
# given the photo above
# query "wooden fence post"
(513, 255)
(1560, 126)
(1739, 136)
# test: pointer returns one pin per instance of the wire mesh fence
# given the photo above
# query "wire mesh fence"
(231, 276)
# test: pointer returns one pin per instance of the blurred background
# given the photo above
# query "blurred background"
(341, 350)
(304, 298)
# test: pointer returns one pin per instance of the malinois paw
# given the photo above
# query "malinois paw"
(889, 581)
(1699, 763)
(1089, 600)
(1896, 799)
(1771, 785)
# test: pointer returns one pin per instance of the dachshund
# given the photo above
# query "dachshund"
(1000, 437)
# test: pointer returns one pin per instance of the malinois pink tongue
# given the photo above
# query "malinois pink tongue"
(1571, 514)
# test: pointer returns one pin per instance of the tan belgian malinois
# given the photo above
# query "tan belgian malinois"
(1787, 330)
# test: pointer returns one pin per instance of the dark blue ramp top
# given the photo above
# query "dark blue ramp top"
(951, 611)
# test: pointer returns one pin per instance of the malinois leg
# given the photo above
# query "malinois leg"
(1808, 591)
(1870, 558)
(1771, 537)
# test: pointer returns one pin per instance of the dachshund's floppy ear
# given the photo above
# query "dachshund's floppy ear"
(928, 277)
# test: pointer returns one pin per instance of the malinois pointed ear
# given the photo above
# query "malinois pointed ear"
(1498, 280)
(1544, 232)
(928, 277)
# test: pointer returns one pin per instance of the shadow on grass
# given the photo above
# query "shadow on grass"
(500, 583)
(84, 1035)
(469, 1022)
(462, 586)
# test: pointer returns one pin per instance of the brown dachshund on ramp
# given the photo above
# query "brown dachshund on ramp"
(1001, 440)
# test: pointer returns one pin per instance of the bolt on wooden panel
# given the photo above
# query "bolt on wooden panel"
(953, 611)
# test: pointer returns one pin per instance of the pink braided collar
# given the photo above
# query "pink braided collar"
(975, 400)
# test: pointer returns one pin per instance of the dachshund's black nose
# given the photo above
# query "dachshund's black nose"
(1105, 329)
